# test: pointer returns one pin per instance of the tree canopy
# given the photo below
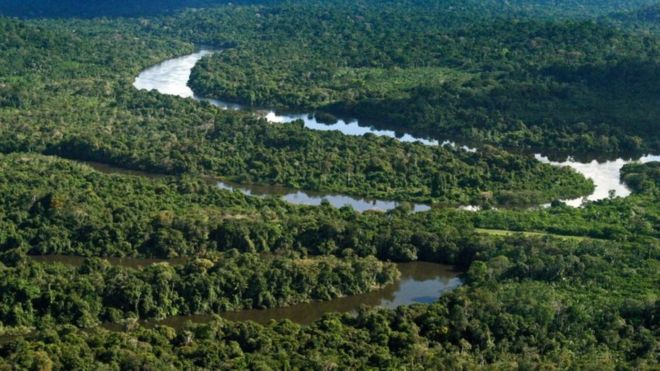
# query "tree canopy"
(94, 173)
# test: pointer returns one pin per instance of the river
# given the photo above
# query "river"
(420, 283)
(299, 197)
(171, 77)
(606, 176)
(296, 197)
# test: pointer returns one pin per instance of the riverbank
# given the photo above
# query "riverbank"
(171, 78)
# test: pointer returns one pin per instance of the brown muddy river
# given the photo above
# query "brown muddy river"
(420, 282)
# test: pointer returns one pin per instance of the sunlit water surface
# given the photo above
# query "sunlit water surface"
(171, 77)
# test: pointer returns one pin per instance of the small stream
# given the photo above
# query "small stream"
(296, 197)
(171, 77)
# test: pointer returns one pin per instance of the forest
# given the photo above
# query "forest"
(115, 124)
(528, 85)
(92, 170)
(526, 303)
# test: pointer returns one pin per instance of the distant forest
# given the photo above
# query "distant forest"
(138, 8)
(103, 8)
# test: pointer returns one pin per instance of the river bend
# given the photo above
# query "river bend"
(171, 77)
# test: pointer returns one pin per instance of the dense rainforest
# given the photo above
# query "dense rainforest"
(559, 275)
(105, 8)
(113, 123)
(524, 83)
(126, 8)
(527, 302)
(92, 169)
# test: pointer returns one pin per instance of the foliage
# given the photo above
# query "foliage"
(528, 303)
(103, 8)
(89, 67)
(634, 217)
(554, 85)
(52, 206)
(577, 289)
(642, 177)
(96, 291)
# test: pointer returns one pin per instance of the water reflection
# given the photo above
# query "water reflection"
(315, 199)
(420, 283)
(353, 128)
(171, 77)
(606, 176)
(293, 196)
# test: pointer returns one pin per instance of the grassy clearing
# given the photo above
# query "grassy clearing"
(502, 232)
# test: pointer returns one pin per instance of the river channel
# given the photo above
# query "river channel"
(420, 283)
(171, 77)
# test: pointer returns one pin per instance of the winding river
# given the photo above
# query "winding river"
(171, 77)
(419, 282)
